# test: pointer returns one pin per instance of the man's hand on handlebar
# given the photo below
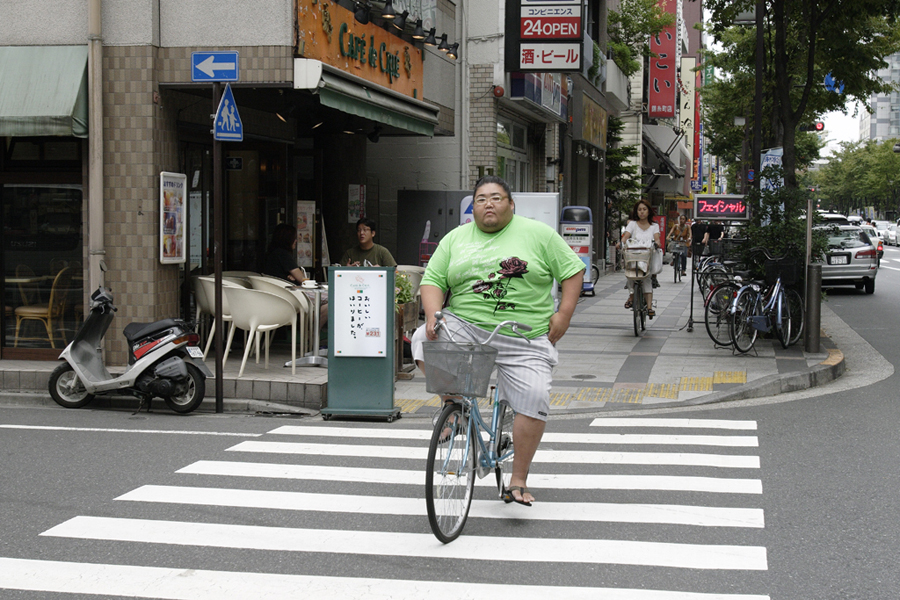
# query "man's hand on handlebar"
(433, 325)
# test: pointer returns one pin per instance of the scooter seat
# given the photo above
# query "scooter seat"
(136, 331)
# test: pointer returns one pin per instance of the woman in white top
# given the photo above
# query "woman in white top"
(642, 230)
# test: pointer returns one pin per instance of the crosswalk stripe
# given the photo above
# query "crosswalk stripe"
(197, 584)
(542, 456)
(701, 516)
(661, 422)
(567, 438)
(122, 430)
(420, 545)
(417, 477)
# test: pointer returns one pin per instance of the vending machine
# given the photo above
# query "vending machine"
(576, 225)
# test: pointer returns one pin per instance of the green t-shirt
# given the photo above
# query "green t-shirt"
(505, 275)
(377, 255)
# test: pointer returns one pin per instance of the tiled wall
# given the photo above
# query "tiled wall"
(482, 120)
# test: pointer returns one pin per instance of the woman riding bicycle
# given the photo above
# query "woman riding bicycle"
(644, 231)
(501, 267)
(680, 237)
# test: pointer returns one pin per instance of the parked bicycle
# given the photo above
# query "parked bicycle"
(756, 308)
(463, 444)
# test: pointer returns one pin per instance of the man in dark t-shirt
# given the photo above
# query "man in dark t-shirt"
(698, 237)
(714, 232)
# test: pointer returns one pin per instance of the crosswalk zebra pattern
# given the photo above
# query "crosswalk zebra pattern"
(637, 500)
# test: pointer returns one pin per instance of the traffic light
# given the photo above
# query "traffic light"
(817, 126)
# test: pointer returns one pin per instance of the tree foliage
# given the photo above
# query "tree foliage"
(623, 182)
(630, 29)
(861, 174)
(804, 41)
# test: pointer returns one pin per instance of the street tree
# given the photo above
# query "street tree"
(806, 40)
(630, 25)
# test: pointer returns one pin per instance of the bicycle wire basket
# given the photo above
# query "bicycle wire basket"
(637, 262)
(787, 268)
(458, 369)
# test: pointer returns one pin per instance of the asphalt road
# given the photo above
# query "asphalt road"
(790, 497)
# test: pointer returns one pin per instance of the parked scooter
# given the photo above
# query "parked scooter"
(163, 360)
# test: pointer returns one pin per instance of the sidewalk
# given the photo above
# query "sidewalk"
(602, 366)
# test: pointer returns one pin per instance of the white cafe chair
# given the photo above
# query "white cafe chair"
(209, 287)
(257, 312)
(301, 304)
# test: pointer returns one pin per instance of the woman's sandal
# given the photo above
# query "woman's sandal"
(629, 302)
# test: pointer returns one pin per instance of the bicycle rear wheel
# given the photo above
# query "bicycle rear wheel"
(450, 474)
(743, 335)
(783, 310)
(503, 445)
(795, 301)
(718, 319)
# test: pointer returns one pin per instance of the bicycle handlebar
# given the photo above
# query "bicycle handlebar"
(515, 326)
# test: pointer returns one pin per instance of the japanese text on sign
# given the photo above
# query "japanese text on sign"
(720, 206)
(359, 317)
(550, 56)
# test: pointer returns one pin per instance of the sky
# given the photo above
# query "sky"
(840, 128)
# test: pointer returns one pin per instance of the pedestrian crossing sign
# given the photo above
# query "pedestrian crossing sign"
(228, 126)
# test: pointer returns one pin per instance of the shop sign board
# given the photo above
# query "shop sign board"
(550, 22)
(172, 199)
(721, 207)
(327, 32)
(550, 56)
(661, 95)
(544, 35)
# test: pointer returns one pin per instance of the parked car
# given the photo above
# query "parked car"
(892, 235)
(827, 218)
(875, 237)
(852, 258)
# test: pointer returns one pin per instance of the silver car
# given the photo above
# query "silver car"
(892, 235)
(852, 258)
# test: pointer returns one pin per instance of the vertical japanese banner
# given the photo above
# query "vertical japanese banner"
(661, 96)
(686, 121)
(172, 190)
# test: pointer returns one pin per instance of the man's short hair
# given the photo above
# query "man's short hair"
(368, 223)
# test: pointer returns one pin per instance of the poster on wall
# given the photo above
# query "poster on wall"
(172, 189)
(360, 299)
(356, 202)
(306, 232)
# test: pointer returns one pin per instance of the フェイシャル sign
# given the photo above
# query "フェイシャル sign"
(721, 207)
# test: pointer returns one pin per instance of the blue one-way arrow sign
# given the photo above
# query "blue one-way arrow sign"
(214, 66)
(228, 126)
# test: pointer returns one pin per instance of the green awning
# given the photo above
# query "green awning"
(349, 97)
(43, 91)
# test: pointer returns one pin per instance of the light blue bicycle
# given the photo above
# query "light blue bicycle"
(463, 444)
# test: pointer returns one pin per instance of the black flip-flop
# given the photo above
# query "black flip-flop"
(508, 495)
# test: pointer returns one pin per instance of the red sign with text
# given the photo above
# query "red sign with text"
(663, 71)
(721, 207)
(545, 28)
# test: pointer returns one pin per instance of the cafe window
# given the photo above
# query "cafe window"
(42, 265)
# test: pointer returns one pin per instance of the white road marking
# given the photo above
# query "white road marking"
(417, 477)
(686, 423)
(542, 456)
(701, 516)
(114, 430)
(419, 545)
(196, 584)
(562, 438)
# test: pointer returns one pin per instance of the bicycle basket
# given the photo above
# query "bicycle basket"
(458, 369)
(637, 262)
(788, 268)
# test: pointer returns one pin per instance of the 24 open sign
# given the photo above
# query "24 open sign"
(721, 207)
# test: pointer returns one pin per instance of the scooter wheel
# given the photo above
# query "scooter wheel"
(66, 388)
(192, 395)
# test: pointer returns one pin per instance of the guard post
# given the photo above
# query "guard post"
(813, 307)
(361, 343)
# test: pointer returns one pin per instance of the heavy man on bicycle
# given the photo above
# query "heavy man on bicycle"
(502, 267)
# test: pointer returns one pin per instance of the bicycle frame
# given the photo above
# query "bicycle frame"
(760, 320)
(487, 457)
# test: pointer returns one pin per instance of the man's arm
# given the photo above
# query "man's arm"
(571, 291)
(432, 301)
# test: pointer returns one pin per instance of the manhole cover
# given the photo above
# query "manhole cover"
(584, 377)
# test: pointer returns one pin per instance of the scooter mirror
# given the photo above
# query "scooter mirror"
(103, 266)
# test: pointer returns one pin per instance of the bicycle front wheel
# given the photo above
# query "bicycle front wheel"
(637, 307)
(795, 301)
(783, 319)
(503, 446)
(717, 316)
(450, 474)
(743, 335)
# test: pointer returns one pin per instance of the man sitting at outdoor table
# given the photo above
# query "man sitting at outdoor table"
(367, 253)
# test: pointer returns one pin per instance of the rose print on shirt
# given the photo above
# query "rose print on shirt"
(497, 286)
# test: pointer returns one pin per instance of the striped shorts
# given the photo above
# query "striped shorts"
(524, 370)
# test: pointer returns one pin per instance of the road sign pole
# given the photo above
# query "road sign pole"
(217, 254)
